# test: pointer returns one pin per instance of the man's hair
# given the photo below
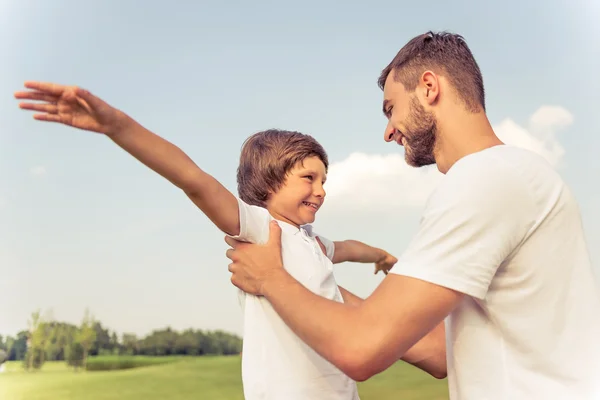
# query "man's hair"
(444, 53)
(266, 159)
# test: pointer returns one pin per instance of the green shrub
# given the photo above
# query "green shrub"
(112, 363)
(74, 355)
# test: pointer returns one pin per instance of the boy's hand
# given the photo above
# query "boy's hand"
(73, 106)
(385, 263)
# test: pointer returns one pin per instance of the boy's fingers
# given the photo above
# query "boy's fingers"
(47, 108)
(47, 117)
(36, 96)
(47, 87)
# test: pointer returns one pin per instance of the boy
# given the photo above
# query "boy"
(280, 176)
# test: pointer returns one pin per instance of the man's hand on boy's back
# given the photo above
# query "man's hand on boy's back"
(254, 266)
(73, 106)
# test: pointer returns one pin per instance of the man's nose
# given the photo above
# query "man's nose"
(388, 135)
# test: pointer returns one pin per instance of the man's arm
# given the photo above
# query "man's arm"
(428, 354)
(365, 339)
(350, 298)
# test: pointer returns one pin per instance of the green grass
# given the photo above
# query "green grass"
(214, 378)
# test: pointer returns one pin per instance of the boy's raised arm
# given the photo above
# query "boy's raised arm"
(78, 108)
(355, 251)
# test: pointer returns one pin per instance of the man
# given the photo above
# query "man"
(500, 258)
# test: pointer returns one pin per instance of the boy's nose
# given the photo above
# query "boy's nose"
(319, 191)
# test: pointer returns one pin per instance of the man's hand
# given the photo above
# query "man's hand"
(254, 265)
(73, 106)
(385, 263)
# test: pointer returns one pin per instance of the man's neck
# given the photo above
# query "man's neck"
(463, 134)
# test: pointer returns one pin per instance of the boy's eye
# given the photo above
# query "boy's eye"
(309, 177)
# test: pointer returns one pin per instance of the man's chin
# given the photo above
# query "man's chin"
(418, 162)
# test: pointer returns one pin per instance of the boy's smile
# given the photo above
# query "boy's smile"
(313, 206)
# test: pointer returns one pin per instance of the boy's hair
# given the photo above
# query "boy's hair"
(444, 53)
(266, 159)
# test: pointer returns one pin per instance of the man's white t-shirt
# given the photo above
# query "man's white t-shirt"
(277, 364)
(504, 229)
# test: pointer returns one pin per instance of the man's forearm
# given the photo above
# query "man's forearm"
(350, 298)
(354, 337)
(158, 154)
(428, 354)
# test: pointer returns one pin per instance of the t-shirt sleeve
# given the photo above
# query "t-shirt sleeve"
(254, 223)
(475, 219)
(329, 246)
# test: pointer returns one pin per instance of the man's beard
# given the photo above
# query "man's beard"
(420, 136)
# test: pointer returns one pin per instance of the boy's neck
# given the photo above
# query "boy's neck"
(281, 218)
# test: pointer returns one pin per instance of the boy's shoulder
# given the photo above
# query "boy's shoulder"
(326, 245)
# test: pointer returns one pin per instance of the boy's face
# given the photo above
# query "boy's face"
(302, 193)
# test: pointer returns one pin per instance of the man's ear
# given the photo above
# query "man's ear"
(430, 87)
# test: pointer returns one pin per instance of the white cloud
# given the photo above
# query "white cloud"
(550, 119)
(38, 170)
(386, 181)
(379, 180)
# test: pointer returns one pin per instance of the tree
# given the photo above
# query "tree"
(53, 346)
(74, 355)
(20, 346)
(102, 342)
(115, 346)
(130, 344)
(9, 345)
(187, 344)
(37, 335)
(86, 336)
(50, 340)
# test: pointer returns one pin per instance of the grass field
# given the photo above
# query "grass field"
(212, 378)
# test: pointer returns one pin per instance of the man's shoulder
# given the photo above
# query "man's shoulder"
(499, 160)
(501, 170)
(486, 174)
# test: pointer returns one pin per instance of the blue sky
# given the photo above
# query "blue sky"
(85, 225)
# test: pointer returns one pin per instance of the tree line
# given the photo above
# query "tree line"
(50, 340)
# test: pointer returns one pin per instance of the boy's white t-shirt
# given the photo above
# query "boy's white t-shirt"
(276, 363)
(504, 229)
